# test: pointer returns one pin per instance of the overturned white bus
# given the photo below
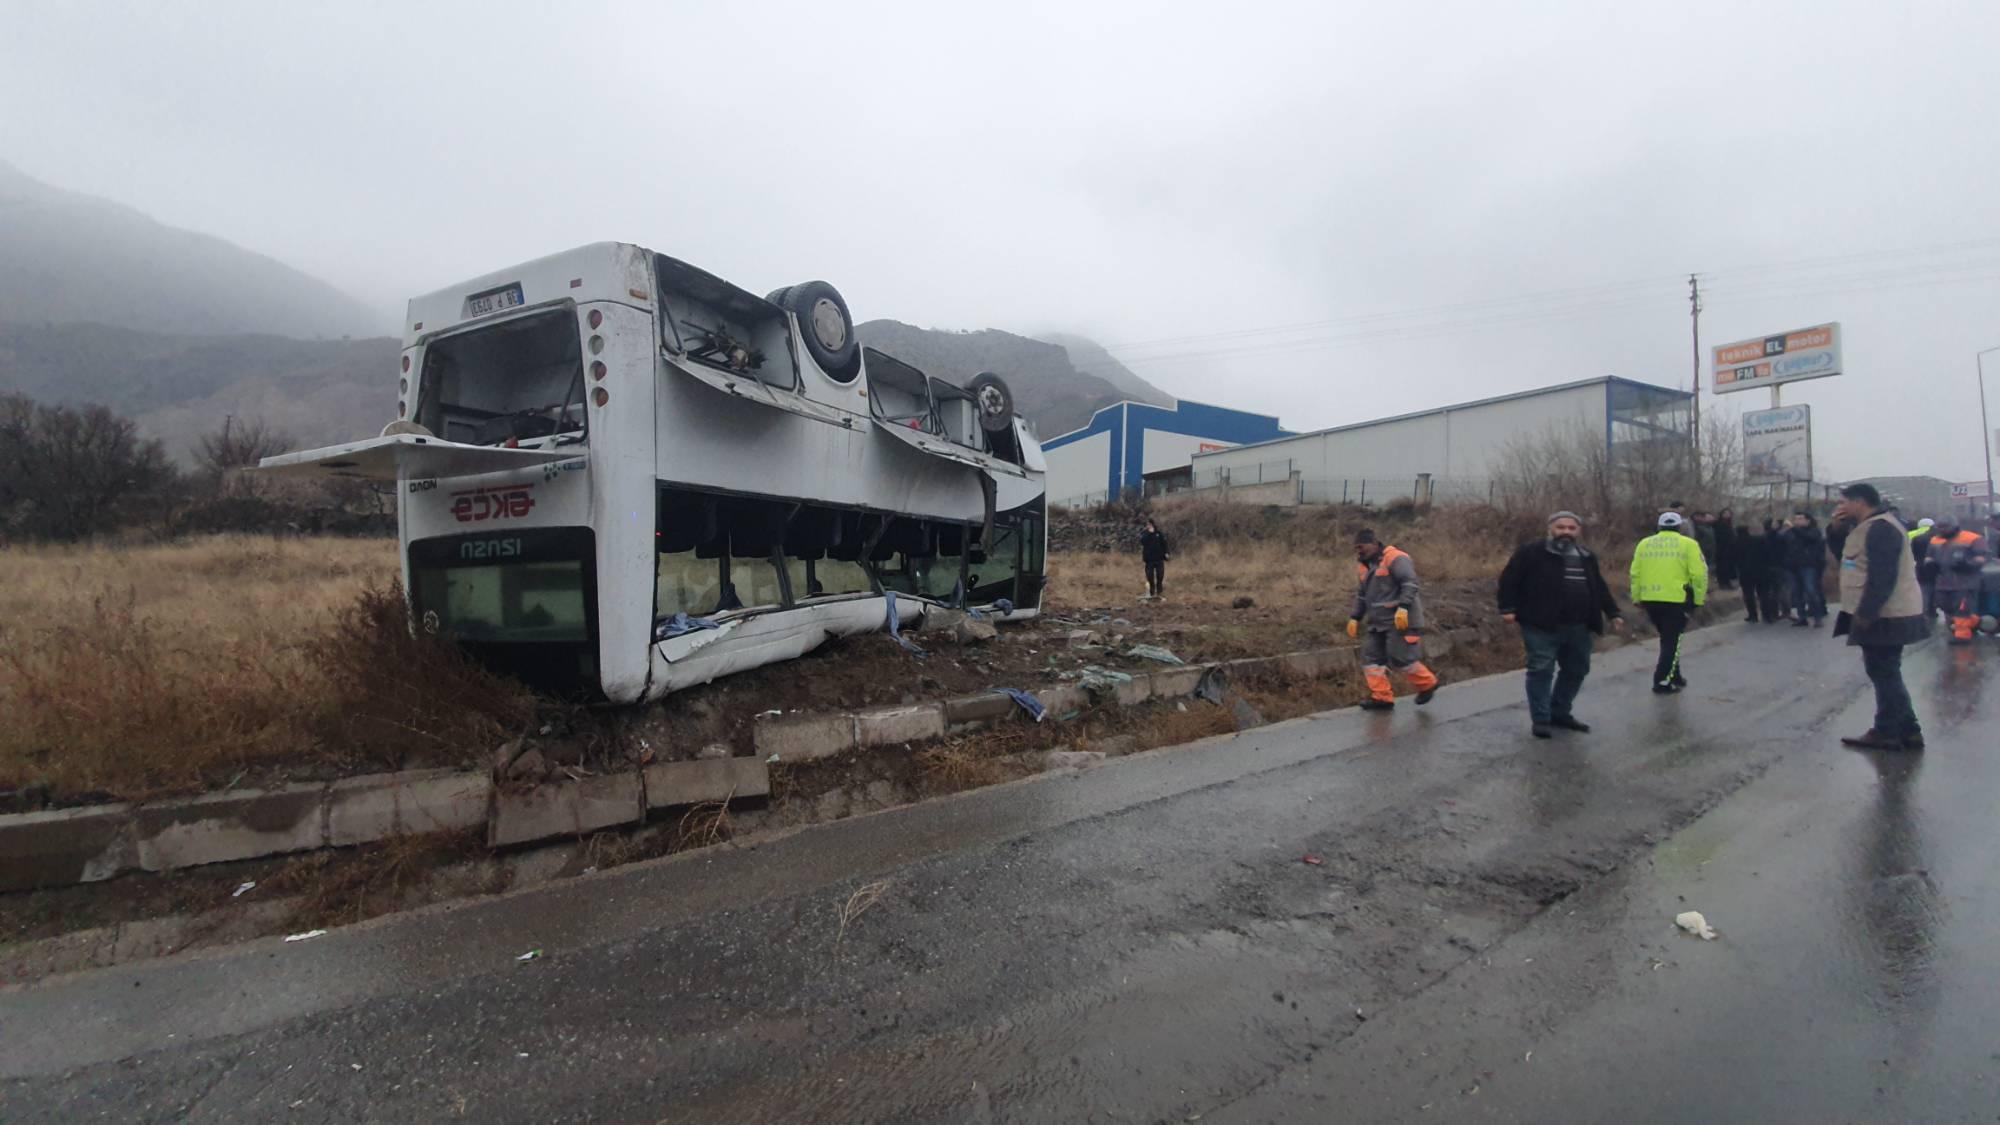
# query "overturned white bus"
(621, 476)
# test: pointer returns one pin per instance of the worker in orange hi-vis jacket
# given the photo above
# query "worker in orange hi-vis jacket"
(1960, 557)
(1388, 610)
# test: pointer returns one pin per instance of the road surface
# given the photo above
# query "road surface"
(1486, 935)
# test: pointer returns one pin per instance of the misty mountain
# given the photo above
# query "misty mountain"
(180, 387)
(1090, 358)
(1051, 389)
(67, 258)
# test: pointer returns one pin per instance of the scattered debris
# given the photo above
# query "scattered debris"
(1026, 701)
(1361, 1015)
(1099, 681)
(1213, 685)
(1153, 652)
(772, 711)
(893, 625)
(1246, 716)
(1314, 861)
(681, 623)
(715, 750)
(307, 936)
(1693, 922)
(971, 631)
(243, 889)
(530, 955)
(530, 764)
(1243, 601)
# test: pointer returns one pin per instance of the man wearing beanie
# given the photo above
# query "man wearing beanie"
(1669, 580)
(1388, 608)
(1552, 588)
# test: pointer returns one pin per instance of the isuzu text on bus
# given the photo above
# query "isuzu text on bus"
(620, 476)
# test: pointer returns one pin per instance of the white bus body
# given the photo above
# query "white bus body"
(590, 444)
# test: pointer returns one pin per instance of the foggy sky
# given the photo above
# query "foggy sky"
(1133, 172)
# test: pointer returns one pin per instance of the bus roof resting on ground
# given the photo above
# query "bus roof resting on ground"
(620, 476)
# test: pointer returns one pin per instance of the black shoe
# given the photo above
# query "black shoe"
(1541, 730)
(1873, 740)
(1801, 623)
(1569, 722)
(1749, 621)
(1665, 689)
(1377, 705)
(1430, 693)
(1680, 683)
(1913, 741)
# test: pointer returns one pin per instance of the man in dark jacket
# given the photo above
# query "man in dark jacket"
(1728, 550)
(1554, 591)
(1759, 577)
(1881, 613)
(1153, 549)
(1805, 563)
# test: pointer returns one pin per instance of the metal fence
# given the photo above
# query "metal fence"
(1263, 472)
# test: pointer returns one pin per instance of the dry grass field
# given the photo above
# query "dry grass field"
(130, 671)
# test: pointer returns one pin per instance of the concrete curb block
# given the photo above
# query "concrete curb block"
(64, 846)
(814, 736)
(220, 827)
(702, 782)
(889, 726)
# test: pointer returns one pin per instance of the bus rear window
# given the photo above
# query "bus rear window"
(537, 601)
(514, 380)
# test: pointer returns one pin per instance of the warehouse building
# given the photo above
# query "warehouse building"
(1127, 442)
(1448, 453)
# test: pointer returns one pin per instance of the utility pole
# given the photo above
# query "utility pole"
(1694, 314)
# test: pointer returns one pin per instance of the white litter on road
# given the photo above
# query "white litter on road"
(1694, 923)
(244, 889)
(307, 936)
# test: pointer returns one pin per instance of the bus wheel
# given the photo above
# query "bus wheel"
(995, 401)
(825, 325)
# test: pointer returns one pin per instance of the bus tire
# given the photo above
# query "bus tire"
(994, 399)
(825, 326)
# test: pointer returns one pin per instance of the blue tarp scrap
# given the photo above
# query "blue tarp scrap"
(1101, 681)
(892, 624)
(1026, 701)
(681, 623)
(1005, 606)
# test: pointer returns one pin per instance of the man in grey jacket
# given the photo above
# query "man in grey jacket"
(1386, 605)
(1882, 611)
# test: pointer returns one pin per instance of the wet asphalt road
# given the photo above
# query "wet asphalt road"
(1487, 935)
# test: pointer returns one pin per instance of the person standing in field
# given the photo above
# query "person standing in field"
(1554, 591)
(1882, 612)
(1669, 579)
(1389, 611)
(1153, 551)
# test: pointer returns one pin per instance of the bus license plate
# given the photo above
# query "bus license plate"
(481, 304)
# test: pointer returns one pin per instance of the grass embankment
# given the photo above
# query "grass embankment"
(131, 671)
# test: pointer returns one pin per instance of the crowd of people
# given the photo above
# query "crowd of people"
(1894, 580)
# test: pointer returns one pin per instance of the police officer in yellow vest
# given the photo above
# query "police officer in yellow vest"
(1669, 580)
(1388, 608)
(1881, 611)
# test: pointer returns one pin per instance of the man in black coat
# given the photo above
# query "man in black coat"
(1805, 564)
(1153, 550)
(1553, 590)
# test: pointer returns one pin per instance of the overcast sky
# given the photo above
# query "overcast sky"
(1173, 180)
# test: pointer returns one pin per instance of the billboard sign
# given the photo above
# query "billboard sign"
(1807, 353)
(1777, 445)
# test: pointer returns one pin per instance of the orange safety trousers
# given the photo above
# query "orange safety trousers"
(1381, 650)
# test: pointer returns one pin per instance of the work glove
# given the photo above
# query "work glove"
(1402, 619)
(1354, 626)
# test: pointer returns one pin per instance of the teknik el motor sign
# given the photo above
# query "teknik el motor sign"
(1806, 353)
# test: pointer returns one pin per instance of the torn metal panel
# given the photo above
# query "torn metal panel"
(410, 457)
(750, 388)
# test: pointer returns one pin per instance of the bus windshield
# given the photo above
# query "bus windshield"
(510, 381)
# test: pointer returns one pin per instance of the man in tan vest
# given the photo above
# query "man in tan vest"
(1881, 611)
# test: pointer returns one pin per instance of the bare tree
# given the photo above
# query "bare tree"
(68, 473)
(221, 457)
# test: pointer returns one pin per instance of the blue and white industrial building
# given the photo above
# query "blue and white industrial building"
(1128, 441)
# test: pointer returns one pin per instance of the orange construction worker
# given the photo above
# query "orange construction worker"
(1959, 556)
(1388, 609)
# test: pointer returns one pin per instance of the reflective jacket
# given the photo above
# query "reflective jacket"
(1959, 560)
(1668, 568)
(1390, 584)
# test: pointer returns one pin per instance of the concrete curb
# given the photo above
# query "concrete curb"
(62, 847)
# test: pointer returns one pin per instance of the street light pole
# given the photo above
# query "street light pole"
(1985, 430)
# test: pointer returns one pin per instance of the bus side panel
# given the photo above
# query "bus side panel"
(712, 440)
(623, 496)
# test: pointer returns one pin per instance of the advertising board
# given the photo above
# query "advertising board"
(1767, 361)
(1777, 445)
